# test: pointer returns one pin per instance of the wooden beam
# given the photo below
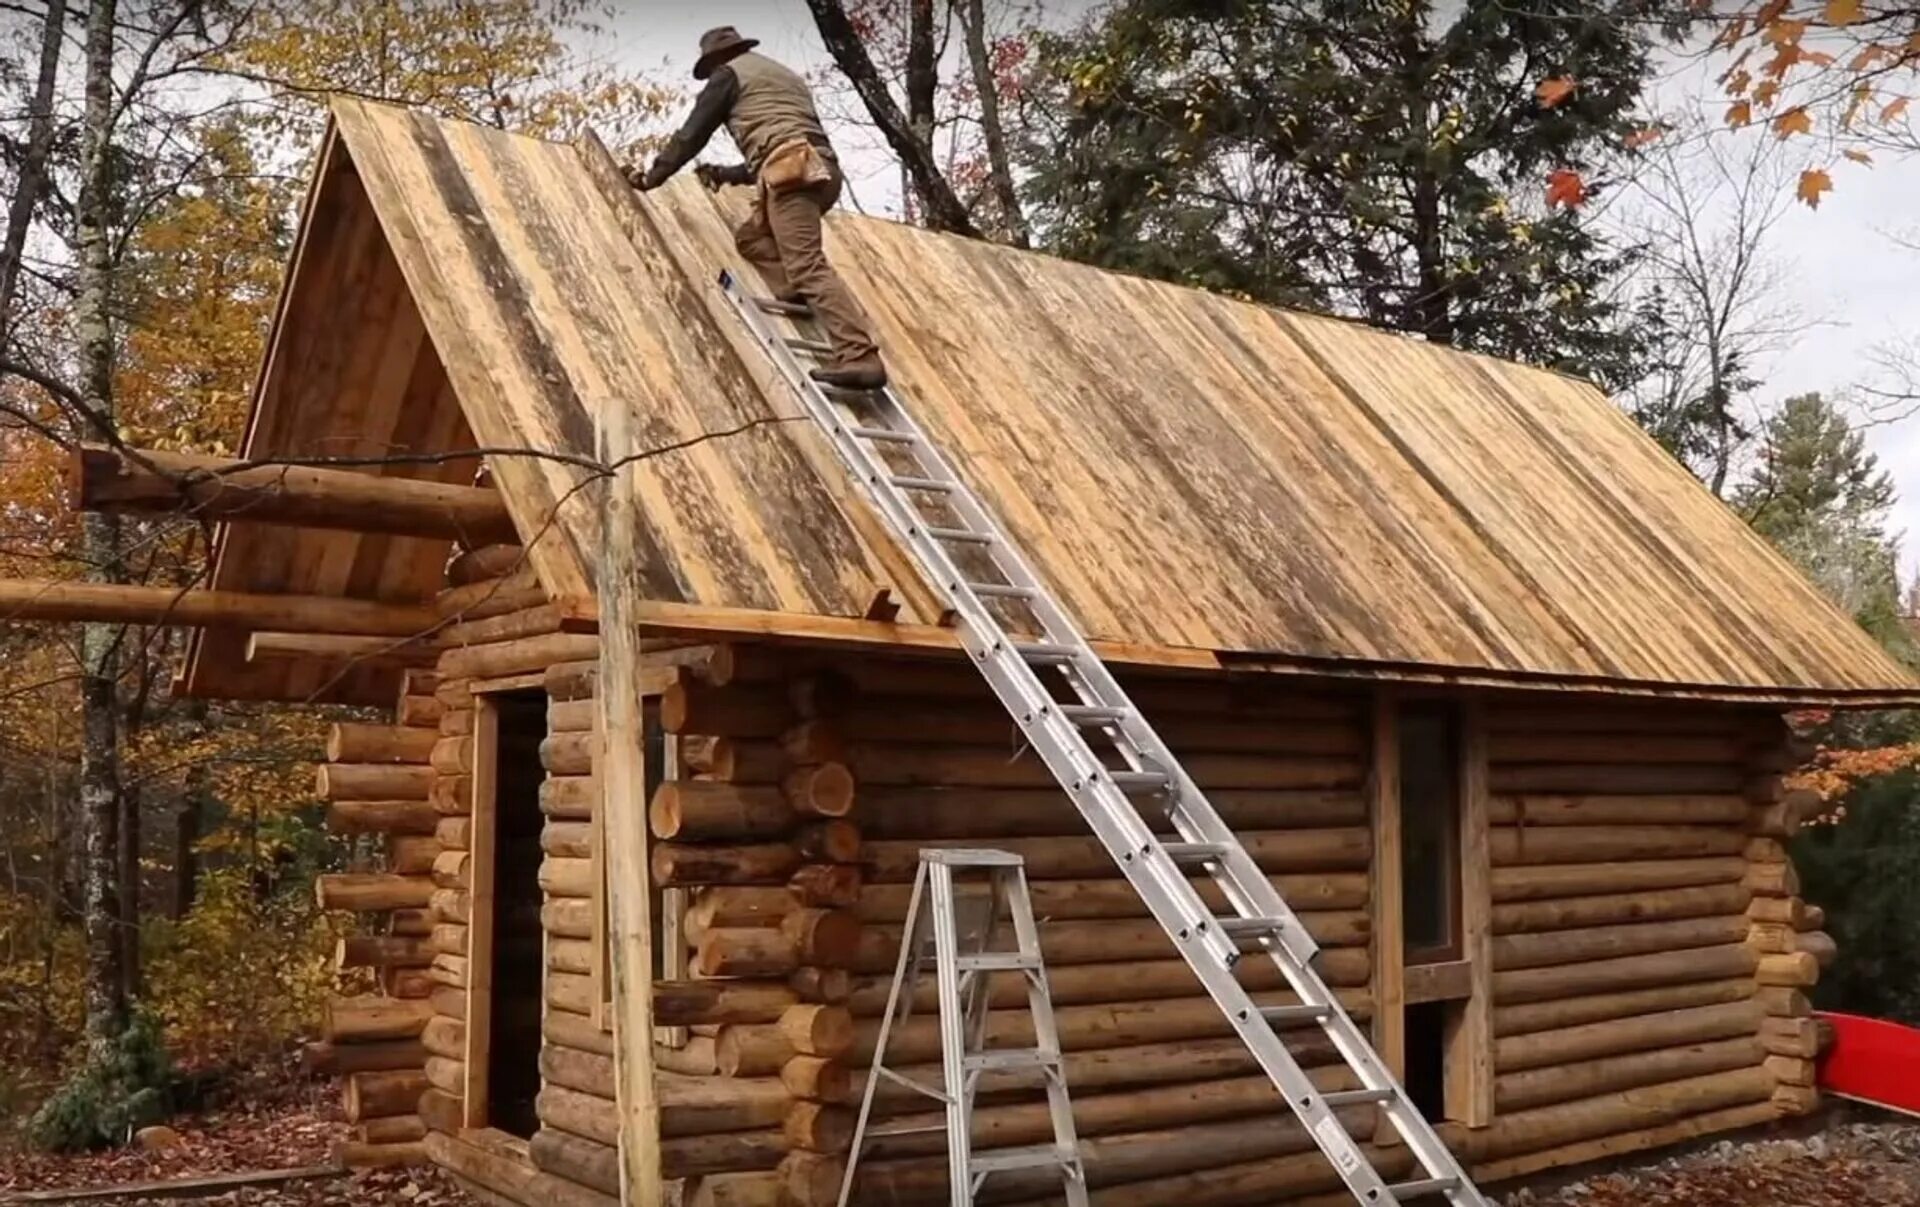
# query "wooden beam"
(1469, 1060)
(621, 765)
(62, 602)
(213, 488)
(480, 917)
(338, 647)
(1389, 941)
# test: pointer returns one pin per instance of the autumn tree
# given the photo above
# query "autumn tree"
(939, 80)
(1380, 160)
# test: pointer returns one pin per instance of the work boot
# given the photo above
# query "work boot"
(867, 373)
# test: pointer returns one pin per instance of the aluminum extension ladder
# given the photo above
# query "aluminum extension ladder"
(891, 456)
(956, 935)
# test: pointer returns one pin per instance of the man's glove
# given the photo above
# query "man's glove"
(650, 178)
(714, 176)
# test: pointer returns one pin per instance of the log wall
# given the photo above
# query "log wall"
(1649, 949)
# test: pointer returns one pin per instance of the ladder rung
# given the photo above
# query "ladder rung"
(1094, 714)
(1402, 1191)
(811, 346)
(1252, 928)
(1295, 1014)
(1196, 852)
(1002, 590)
(997, 961)
(889, 1131)
(911, 482)
(1000, 1160)
(960, 536)
(884, 435)
(796, 310)
(1046, 653)
(1140, 781)
(1340, 1098)
(1011, 1058)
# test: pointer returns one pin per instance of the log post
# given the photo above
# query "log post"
(1789, 964)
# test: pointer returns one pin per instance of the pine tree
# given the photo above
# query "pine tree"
(1374, 158)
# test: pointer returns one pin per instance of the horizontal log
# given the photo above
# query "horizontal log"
(412, 854)
(923, 721)
(687, 864)
(452, 756)
(520, 656)
(876, 764)
(567, 839)
(394, 1129)
(568, 918)
(60, 602)
(1617, 779)
(1520, 748)
(997, 813)
(536, 621)
(446, 1074)
(453, 833)
(953, 678)
(692, 810)
(567, 877)
(1798, 970)
(1609, 942)
(1328, 850)
(1620, 1144)
(372, 781)
(328, 1059)
(452, 869)
(419, 712)
(1728, 809)
(1594, 844)
(378, 1095)
(1545, 881)
(1630, 972)
(350, 743)
(1116, 898)
(379, 951)
(351, 817)
(690, 706)
(153, 482)
(570, 716)
(596, 1166)
(1528, 1017)
(684, 1003)
(570, 955)
(357, 1154)
(569, 797)
(451, 796)
(571, 991)
(367, 891)
(1657, 905)
(1099, 940)
(483, 562)
(452, 905)
(1590, 1041)
(739, 905)
(578, 1031)
(1620, 1111)
(567, 753)
(341, 648)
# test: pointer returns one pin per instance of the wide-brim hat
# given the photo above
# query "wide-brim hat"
(719, 45)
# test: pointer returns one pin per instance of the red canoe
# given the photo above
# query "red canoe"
(1873, 1060)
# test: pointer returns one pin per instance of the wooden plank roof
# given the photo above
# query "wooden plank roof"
(1187, 470)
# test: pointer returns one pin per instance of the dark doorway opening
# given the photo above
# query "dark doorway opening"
(513, 1038)
(1427, 1059)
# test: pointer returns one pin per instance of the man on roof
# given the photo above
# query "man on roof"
(769, 111)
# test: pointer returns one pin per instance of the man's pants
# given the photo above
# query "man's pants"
(781, 237)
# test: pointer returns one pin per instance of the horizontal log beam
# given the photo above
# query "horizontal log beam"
(338, 647)
(65, 602)
(217, 488)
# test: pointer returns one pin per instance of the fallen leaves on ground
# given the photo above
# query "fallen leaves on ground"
(1850, 1165)
(369, 1188)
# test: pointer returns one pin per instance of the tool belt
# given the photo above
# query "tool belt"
(794, 164)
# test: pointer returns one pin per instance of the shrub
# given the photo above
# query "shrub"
(122, 1086)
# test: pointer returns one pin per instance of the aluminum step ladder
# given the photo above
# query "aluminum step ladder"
(954, 933)
(1015, 632)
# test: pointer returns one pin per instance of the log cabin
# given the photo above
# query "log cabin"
(1489, 685)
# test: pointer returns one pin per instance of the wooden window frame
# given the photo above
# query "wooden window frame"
(1466, 979)
(482, 833)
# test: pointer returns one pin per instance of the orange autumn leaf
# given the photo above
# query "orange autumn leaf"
(1641, 137)
(1893, 111)
(1843, 12)
(1764, 94)
(1794, 121)
(1859, 157)
(1813, 183)
(1565, 188)
(1740, 113)
(1555, 91)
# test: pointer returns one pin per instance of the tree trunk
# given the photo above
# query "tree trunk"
(942, 206)
(1013, 221)
(33, 163)
(189, 819)
(100, 787)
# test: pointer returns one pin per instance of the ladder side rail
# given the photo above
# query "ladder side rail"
(952, 1024)
(902, 975)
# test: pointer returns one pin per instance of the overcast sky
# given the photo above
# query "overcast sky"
(1857, 288)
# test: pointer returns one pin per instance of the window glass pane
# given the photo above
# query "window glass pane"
(1430, 827)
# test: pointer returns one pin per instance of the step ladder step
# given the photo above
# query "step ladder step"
(792, 310)
(1011, 1058)
(1253, 928)
(1094, 714)
(1295, 1014)
(997, 961)
(1003, 1160)
(971, 857)
(1340, 1098)
(1196, 852)
(1140, 782)
(811, 347)
(884, 435)
(1408, 1191)
(960, 536)
(1001, 591)
(911, 482)
(1046, 653)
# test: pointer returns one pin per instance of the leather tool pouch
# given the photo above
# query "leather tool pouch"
(797, 164)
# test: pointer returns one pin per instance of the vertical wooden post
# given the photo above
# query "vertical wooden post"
(1389, 922)
(482, 851)
(1469, 1060)
(619, 712)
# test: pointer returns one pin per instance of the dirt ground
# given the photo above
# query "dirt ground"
(1850, 1163)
